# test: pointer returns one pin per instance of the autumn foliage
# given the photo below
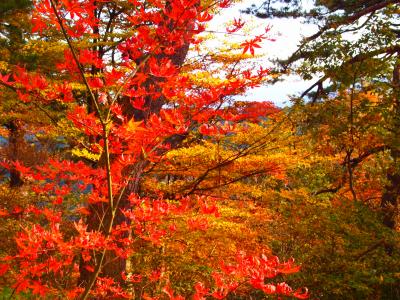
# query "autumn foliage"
(127, 89)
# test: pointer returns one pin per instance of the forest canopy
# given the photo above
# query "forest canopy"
(129, 169)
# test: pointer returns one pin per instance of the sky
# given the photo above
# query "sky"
(288, 33)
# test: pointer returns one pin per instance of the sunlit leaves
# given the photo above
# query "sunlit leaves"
(128, 99)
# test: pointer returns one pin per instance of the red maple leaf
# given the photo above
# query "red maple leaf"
(249, 45)
(237, 25)
(162, 68)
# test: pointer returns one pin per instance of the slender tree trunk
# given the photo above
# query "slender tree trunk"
(115, 266)
(15, 142)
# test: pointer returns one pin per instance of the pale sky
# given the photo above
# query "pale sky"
(288, 33)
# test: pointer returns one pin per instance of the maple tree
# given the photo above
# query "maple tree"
(130, 96)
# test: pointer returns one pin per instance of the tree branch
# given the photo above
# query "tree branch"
(331, 25)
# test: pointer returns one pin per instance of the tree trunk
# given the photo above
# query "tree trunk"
(15, 142)
(390, 197)
(391, 194)
(115, 266)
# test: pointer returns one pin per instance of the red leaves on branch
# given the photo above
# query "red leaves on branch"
(87, 123)
(255, 270)
(252, 111)
(4, 79)
(30, 82)
(91, 58)
(107, 288)
(208, 206)
(64, 91)
(95, 83)
(139, 102)
(204, 17)
(225, 3)
(236, 26)
(155, 275)
(250, 45)
(162, 68)
(200, 224)
(25, 171)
